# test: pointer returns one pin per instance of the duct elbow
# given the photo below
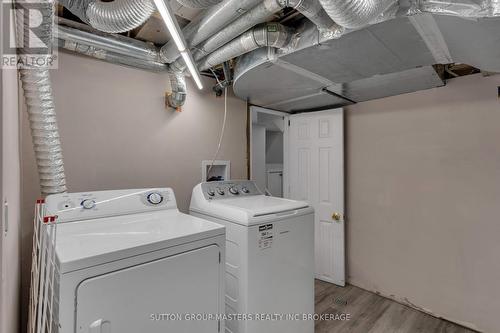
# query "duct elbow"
(198, 3)
(177, 97)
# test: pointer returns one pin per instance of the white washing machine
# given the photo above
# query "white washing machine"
(269, 256)
(129, 258)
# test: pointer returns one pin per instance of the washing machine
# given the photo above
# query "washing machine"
(269, 256)
(129, 261)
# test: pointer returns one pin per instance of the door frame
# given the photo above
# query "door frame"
(253, 112)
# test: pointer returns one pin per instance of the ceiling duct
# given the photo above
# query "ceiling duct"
(355, 14)
(198, 3)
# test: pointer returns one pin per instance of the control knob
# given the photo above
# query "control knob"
(88, 204)
(220, 191)
(234, 190)
(155, 198)
(211, 192)
(245, 190)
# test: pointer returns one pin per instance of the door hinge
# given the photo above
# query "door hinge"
(218, 326)
(288, 122)
(5, 217)
(220, 258)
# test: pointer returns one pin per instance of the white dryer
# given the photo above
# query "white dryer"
(269, 256)
(129, 260)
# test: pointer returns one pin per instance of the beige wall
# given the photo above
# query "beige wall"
(423, 196)
(116, 133)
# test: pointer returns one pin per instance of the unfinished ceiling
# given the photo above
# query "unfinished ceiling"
(385, 59)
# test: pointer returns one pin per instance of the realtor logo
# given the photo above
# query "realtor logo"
(31, 45)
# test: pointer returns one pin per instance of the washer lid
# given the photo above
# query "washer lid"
(97, 241)
(250, 210)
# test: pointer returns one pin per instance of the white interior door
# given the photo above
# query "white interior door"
(316, 175)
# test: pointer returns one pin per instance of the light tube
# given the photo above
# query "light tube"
(175, 31)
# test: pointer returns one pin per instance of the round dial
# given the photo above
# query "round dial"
(211, 192)
(88, 204)
(220, 191)
(234, 190)
(245, 190)
(155, 198)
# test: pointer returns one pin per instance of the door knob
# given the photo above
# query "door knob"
(336, 216)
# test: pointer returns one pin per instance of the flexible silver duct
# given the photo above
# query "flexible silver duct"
(198, 3)
(207, 24)
(40, 106)
(264, 35)
(119, 15)
(355, 14)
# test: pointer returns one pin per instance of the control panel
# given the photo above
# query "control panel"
(229, 189)
(91, 205)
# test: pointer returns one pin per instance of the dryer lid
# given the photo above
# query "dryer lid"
(97, 241)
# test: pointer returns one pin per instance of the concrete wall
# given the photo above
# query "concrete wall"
(423, 198)
(116, 133)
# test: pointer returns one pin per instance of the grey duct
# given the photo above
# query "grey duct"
(113, 17)
(198, 3)
(41, 110)
(265, 35)
(355, 14)
(207, 24)
(121, 50)
(259, 14)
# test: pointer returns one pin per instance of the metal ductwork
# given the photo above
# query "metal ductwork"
(208, 24)
(259, 14)
(113, 17)
(198, 3)
(355, 14)
(179, 90)
(40, 106)
(265, 35)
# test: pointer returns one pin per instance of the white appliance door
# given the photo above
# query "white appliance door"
(316, 175)
(136, 299)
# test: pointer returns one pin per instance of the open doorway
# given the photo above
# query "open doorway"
(267, 143)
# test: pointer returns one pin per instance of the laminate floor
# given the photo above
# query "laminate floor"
(371, 313)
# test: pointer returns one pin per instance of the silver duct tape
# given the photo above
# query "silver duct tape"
(462, 8)
(119, 16)
(198, 3)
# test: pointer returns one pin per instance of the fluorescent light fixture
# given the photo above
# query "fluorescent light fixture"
(175, 31)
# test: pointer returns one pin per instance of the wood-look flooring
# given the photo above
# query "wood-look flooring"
(371, 313)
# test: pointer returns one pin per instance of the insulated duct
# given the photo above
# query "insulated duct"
(113, 17)
(198, 3)
(264, 35)
(207, 24)
(40, 106)
(259, 14)
(355, 14)
(119, 15)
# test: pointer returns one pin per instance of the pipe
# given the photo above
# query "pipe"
(110, 43)
(177, 98)
(268, 34)
(113, 17)
(207, 24)
(40, 106)
(198, 3)
(259, 14)
(355, 14)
